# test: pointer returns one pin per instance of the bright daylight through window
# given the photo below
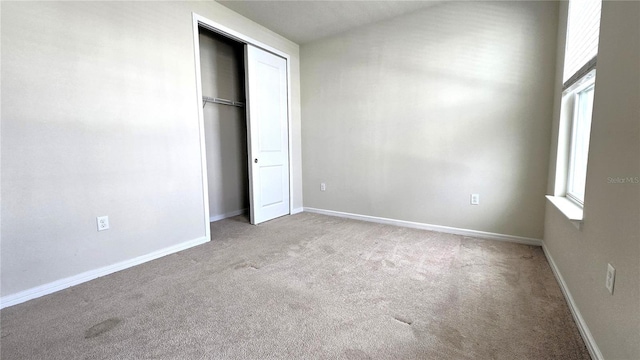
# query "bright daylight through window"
(581, 51)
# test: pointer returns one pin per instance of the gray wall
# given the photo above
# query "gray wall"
(99, 117)
(405, 118)
(611, 230)
(222, 72)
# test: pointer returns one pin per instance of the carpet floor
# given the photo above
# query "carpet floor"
(309, 286)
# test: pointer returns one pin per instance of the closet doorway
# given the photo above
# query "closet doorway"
(244, 125)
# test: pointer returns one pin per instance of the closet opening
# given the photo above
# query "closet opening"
(222, 75)
(243, 90)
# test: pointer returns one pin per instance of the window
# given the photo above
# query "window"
(583, 27)
(579, 82)
(580, 129)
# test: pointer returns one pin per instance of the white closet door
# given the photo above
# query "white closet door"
(268, 134)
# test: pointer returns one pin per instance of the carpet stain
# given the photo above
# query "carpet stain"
(449, 335)
(155, 305)
(243, 265)
(355, 354)
(238, 264)
(529, 256)
(512, 278)
(299, 306)
(101, 328)
(403, 319)
(388, 263)
(136, 296)
(328, 249)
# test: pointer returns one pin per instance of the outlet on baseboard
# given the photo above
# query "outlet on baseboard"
(611, 278)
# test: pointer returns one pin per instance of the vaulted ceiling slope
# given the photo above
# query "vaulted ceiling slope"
(303, 21)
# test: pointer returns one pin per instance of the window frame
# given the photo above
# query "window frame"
(573, 84)
(575, 91)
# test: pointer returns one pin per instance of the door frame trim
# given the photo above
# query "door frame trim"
(198, 21)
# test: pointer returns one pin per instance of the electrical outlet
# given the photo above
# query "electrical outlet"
(475, 199)
(103, 223)
(323, 187)
(611, 278)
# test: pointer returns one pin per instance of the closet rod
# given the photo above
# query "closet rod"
(206, 99)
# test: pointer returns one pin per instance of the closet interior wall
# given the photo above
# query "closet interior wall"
(222, 72)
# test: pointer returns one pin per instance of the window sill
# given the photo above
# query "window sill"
(571, 210)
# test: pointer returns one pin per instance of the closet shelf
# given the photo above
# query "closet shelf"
(206, 99)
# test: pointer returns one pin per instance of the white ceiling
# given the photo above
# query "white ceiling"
(303, 21)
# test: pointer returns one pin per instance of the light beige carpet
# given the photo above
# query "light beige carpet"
(309, 287)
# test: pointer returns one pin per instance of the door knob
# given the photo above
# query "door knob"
(255, 161)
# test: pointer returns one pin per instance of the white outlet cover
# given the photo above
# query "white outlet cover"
(475, 199)
(103, 223)
(611, 278)
(323, 186)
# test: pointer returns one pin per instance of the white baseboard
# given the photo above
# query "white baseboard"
(297, 211)
(593, 348)
(439, 228)
(227, 215)
(61, 284)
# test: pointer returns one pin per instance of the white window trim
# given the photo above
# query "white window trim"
(580, 80)
(571, 210)
(570, 206)
(583, 84)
